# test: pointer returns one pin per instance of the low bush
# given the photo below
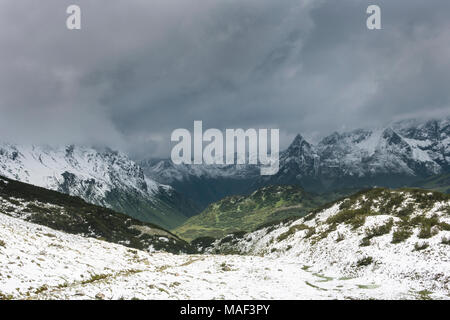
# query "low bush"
(364, 261)
(365, 242)
(421, 246)
(292, 230)
(380, 230)
(401, 235)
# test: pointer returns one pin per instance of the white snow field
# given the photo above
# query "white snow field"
(40, 263)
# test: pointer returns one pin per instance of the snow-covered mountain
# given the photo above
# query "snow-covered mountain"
(396, 155)
(103, 177)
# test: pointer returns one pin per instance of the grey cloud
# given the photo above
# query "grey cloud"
(139, 69)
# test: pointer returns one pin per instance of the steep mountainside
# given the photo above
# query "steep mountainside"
(395, 156)
(245, 213)
(105, 178)
(379, 234)
(73, 215)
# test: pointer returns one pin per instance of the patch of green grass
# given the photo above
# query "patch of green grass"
(6, 296)
(424, 295)
(357, 221)
(400, 235)
(41, 289)
(63, 285)
(315, 287)
(445, 240)
(95, 277)
(364, 261)
(406, 211)
(292, 230)
(421, 246)
(324, 234)
(365, 242)
(322, 277)
(444, 226)
(340, 237)
(380, 230)
(368, 286)
(225, 267)
(310, 233)
(306, 268)
(343, 216)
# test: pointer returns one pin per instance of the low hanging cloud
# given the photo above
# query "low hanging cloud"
(139, 69)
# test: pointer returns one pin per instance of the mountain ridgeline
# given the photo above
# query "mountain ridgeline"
(75, 216)
(399, 155)
(395, 156)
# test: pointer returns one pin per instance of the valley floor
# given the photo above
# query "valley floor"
(40, 263)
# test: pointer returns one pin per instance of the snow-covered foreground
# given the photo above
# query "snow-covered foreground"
(40, 263)
(368, 247)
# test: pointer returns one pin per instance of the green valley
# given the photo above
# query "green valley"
(245, 213)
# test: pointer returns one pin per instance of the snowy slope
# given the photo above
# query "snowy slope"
(107, 178)
(378, 236)
(73, 215)
(40, 263)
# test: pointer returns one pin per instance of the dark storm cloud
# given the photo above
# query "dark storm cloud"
(139, 69)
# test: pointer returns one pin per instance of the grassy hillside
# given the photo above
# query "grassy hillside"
(376, 235)
(73, 215)
(245, 213)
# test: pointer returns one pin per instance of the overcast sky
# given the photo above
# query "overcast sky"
(139, 69)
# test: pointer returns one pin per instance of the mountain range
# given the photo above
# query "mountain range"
(394, 156)
(102, 177)
(400, 154)
(406, 153)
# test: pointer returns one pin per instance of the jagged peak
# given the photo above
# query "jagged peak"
(299, 141)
